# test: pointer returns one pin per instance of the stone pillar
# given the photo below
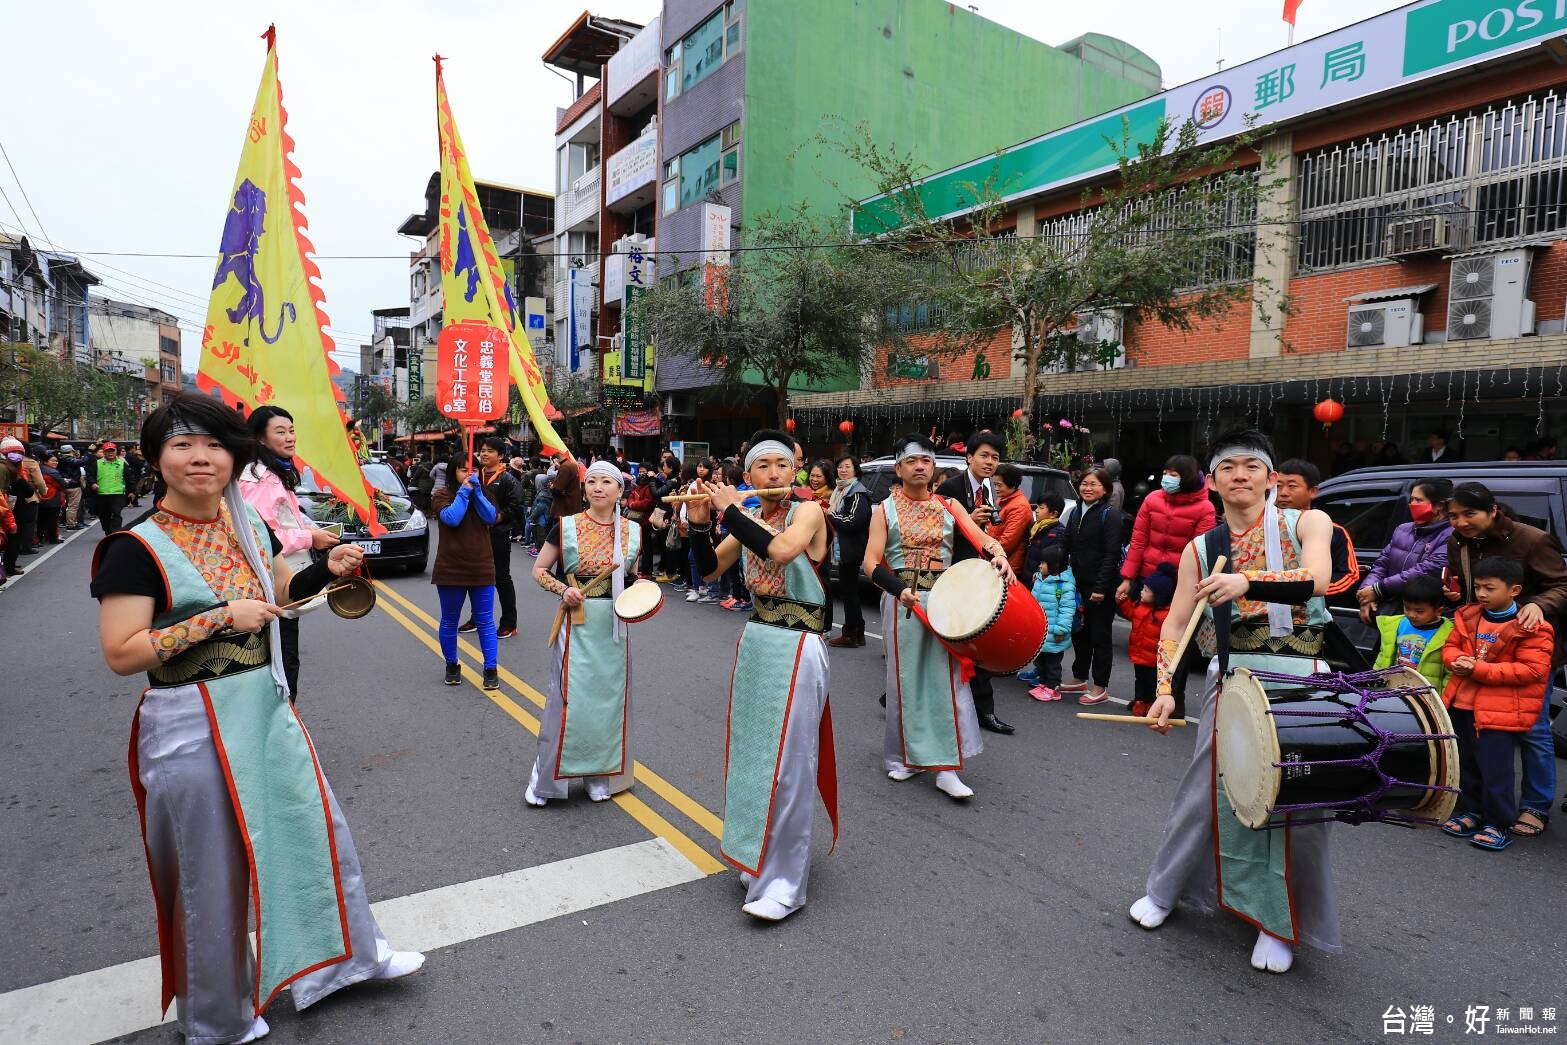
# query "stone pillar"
(1276, 242)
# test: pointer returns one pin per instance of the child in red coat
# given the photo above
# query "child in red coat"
(1496, 683)
(1147, 616)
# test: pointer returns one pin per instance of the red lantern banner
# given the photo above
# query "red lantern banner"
(466, 389)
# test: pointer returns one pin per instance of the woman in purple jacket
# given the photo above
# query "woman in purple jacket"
(1417, 547)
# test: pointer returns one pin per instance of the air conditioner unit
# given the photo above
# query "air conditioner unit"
(1385, 324)
(677, 404)
(624, 244)
(617, 342)
(1423, 234)
(1485, 297)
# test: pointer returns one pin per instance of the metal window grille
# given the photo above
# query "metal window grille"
(1493, 175)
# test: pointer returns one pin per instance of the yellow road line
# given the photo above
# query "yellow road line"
(634, 807)
(698, 813)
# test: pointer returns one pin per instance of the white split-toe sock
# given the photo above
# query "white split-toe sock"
(531, 797)
(598, 793)
(948, 782)
(257, 1031)
(901, 775)
(1148, 914)
(1272, 954)
(402, 963)
(768, 910)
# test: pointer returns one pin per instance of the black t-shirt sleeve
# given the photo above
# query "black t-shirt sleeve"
(553, 537)
(126, 567)
(276, 545)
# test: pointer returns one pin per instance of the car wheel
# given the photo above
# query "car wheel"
(419, 564)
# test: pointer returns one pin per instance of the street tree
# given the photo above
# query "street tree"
(1161, 240)
(54, 390)
(426, 416)
(795, 305)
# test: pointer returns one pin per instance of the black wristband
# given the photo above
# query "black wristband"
(309, 580)
(747, 530)
(887, 581)
(1289, 592)
(703, 551)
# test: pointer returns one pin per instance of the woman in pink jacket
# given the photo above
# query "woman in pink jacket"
(267, 484)
(1166, 523)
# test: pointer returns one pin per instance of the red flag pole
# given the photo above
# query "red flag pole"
(467, 431)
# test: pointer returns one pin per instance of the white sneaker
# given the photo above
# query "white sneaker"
(901, 775)
(402, 963)
(531, 797)
(257, 1031)
(1148, 914)
(1272, 954)
(693, 595)
(767, 910)
(948, 783)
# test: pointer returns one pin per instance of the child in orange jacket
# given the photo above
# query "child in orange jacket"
(1497, 672)
(1147, 616)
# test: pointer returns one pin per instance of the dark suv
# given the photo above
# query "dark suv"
(878, 477)
(1371, 502)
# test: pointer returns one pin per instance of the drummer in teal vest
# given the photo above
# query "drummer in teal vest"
(585, 732)
(780, 729)
(931, 722)
(1280, 562)
(237, 817)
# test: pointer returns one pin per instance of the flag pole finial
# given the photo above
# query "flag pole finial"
(438, 61)
(270, 36)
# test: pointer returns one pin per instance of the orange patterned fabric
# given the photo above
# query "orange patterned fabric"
(922, 528)
(596, 545)
(1249, 555)
(213, 548)
(764, 576)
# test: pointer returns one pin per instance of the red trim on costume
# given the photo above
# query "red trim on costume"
(827, 770)
(625, 713)
(1218, 864)
(783, 735)
(897, 676)
(166, 945)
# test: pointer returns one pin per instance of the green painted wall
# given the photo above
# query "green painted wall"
(923, 75)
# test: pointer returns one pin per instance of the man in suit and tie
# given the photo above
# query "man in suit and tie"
(975, 490)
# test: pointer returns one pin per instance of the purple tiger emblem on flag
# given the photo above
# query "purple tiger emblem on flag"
(242, 232)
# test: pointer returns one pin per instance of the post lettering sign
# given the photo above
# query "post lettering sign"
(470, 383)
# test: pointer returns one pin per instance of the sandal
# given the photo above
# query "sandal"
(1530, 828)
(1465, 825)
(1492, 838)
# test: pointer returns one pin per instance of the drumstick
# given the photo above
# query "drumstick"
(1133, 720)
(560, 613)
(682, 498)
(1196, 617)
(312, 598)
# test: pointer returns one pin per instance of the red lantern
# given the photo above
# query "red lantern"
(789, 425)
(846, 427)
(1328, 412)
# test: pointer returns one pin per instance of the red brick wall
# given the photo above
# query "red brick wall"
(998, 353)
(1213, 340)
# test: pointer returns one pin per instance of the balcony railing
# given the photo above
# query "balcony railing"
(578, 204)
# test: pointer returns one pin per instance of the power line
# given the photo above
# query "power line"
(23, 189)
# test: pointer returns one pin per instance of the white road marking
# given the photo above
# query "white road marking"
(123, 999)
(32, 562)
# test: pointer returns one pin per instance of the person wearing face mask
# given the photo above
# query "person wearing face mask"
(24, 486)
(1418, 548)
(1167, 521)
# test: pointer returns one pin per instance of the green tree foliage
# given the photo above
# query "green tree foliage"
(425, 416)
(795, 306)
(54, 391)
(1152, 244)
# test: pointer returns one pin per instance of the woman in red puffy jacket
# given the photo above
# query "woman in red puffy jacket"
(1168, 520)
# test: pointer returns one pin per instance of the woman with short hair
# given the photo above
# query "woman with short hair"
(849, 511)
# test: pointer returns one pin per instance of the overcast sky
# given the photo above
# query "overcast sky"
(124, 121)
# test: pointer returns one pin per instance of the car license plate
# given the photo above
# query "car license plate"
(370, 547)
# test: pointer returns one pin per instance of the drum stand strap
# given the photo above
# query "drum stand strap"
(1364, 807)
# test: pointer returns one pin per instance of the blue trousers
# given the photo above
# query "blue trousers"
(1538, 760)
(482, 599)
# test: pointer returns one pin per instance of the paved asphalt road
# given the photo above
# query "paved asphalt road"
(1000, 920)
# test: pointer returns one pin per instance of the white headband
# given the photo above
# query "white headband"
(768, 446)
(607, 470)
(912, 449)
(1225, 453)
